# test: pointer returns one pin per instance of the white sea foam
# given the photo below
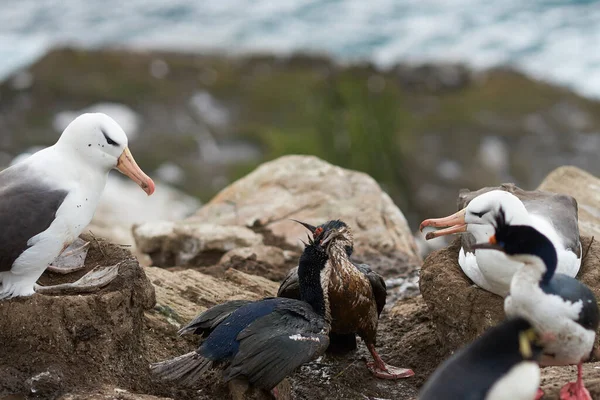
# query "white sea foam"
(557, 41)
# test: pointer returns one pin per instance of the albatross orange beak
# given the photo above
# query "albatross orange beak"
(127, 166)
(454, 223)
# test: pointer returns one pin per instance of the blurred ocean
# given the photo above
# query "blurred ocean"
(556, 40)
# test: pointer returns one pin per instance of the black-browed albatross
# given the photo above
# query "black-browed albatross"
(48, 199)
(552, 213)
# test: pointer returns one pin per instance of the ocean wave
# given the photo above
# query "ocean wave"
(552, 40)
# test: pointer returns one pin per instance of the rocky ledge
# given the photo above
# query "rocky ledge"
(239, 246)
(462, 311)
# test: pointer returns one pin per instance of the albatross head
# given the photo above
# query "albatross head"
(102, 144)
(479, 216)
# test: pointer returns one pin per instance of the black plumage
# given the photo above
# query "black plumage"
(472, 371)
(290, 288)
(258, 342)
(534, 291)
(526, 240)
(206, 322)
(339, 342)
(355, 295)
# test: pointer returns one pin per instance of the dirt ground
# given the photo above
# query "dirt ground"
(52, 344)
(405, 339)
(99, 346)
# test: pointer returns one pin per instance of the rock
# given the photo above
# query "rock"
(181, 295)
(123, 204)
(188, 242)
(269, 262)
(111, 394)
(460, 310)
(266, 254)
(300, 187)
(54, 344)
(585, 188)
(45, 385)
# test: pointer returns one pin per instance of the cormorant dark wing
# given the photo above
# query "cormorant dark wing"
(207, 321)
(572, 290)
(377, 284)
(290, 287)
(275, 345)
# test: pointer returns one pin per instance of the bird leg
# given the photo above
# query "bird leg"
(384, 371)
(575, 390)
(71, 259)
(90, 282)
(283, 390)
(540, 393)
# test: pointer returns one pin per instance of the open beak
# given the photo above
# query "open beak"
(454, 223)
(127, 165)
(311, 228)
(329, 235)
(491, 245)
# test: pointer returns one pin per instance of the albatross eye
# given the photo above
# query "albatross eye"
(108, 139)
(479, 214)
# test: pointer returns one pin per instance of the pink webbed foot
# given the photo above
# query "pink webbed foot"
(539, 394)
(388, 371)
(384, 371)
(575, 390)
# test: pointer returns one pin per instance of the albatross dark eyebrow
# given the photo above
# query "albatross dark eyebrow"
(479, 214)
(108, 139)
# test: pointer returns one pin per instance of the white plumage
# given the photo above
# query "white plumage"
(48, 199)
(492, 270)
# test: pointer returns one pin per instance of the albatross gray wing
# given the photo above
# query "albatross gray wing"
(560, 209)
(27, 207)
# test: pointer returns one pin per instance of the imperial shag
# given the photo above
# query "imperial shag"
(554, 303)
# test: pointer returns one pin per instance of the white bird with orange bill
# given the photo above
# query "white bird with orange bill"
(553, 214)
(48, 199)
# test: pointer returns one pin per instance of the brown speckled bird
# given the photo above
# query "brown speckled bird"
(355, 297)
